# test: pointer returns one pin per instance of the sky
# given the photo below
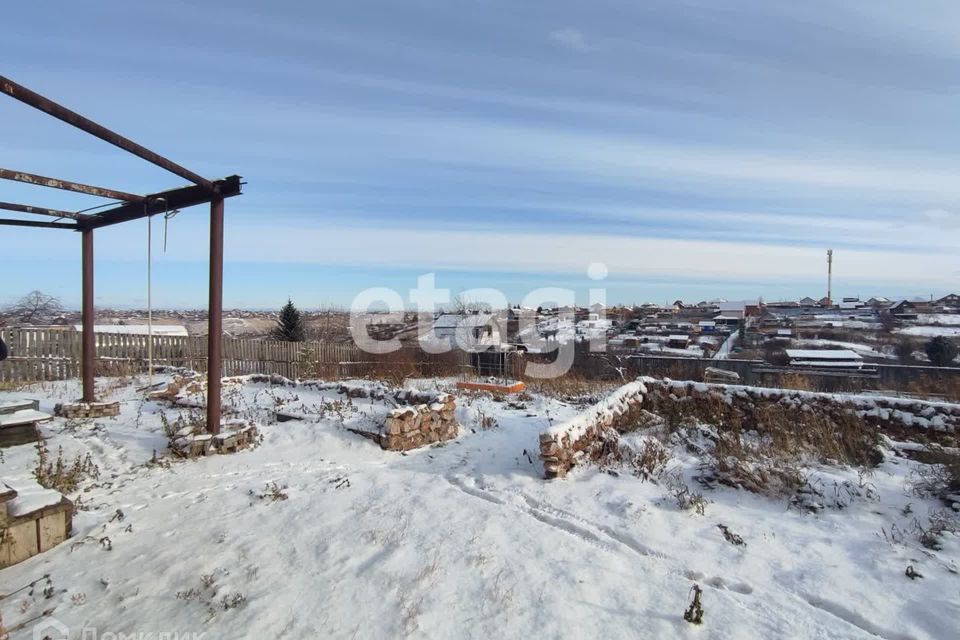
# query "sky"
(699, 149)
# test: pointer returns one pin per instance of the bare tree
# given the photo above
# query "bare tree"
(462, 304)
(35, 308)
(329, 324)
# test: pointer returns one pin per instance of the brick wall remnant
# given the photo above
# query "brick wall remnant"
(581, 438)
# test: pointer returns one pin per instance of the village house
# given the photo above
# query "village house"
(949, 303)
(903, 310)
(470, 332)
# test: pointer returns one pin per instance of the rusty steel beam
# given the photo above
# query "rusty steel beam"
(164, 201)
(215, 317)
(50, 107)
(42, 211)
(54, 183)
(35, 223)
(88, 346)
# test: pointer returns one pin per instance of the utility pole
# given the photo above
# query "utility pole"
(829, 277)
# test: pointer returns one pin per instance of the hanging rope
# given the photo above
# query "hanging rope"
(167, 216)
(150, 300)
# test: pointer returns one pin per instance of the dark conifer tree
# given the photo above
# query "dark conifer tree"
(290, 327)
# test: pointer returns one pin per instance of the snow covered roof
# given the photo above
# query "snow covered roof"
(822, 354)
(29, 497)
(453, 320)
(138, 329)
(724, 305)
(678, 336)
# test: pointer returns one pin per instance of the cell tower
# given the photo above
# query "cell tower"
(829, 277)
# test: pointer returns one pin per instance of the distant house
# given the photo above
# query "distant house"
(725, 320)
(732, 309)
(678, 341)
(707, 326)
(903, 310)
(879, 302)
(849, 304)
(138, 329)
(950, 302)
(825, 358)
(470, 332)
(809, 302)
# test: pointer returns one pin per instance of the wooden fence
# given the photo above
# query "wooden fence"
(53, 354)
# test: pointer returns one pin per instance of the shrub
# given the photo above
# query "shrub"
(941, 351)
(60, 474)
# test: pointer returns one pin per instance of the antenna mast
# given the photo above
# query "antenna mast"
(829, 277)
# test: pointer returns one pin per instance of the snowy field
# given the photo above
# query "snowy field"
(318, 533)
(928, 331)
(857, 347)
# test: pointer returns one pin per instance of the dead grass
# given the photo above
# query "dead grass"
(947, 388)
(62, 474)
(762, 446)
(796, 381)
(571, 388)
(938, 477)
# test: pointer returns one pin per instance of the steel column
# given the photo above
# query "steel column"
(215, 317)
(88, 345)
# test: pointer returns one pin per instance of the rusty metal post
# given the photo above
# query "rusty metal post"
(215, 317)
(88, 345)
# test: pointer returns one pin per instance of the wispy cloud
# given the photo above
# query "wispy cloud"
(702, 144)
(571, 39)
(941, 218)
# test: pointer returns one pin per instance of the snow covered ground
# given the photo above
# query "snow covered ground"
(857, 347)
(319, 533)
(928, 331)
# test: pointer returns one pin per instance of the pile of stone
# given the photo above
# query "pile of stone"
(191, 441)
(87, 410)
(583, 437)
(420, 424)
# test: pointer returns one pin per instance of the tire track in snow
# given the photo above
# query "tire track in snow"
(603, 536)
(559, 519)
(853, 618)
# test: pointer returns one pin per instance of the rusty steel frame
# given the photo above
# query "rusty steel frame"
(41, 211)
(54, 183)
(133, 207)
(37, 223)
(35, 100)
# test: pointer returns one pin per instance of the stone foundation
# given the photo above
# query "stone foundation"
(190, 442)
(419, 424)
(87, 410)
(583, 437)
(901, 418)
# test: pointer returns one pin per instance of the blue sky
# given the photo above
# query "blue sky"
(697, 148)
